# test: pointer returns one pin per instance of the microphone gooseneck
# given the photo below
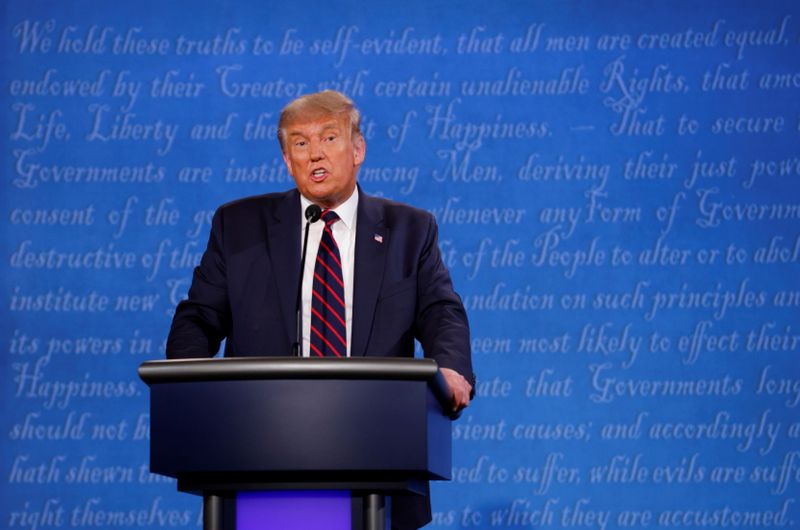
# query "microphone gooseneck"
(312, 215)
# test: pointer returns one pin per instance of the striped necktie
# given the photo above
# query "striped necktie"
(328, 329)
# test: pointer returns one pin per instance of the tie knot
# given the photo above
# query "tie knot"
(330, 217)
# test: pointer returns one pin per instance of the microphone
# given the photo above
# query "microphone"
(312, 215)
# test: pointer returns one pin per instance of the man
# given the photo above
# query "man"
(373, 281)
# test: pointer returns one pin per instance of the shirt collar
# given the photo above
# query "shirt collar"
(346, 211)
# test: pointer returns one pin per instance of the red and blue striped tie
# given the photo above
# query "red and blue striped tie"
(328, 329)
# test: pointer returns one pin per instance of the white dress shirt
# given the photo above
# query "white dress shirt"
(344, 232)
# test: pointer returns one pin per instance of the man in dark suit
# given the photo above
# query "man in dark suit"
(374, 279)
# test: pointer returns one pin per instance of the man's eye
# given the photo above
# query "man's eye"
(330, 138)
(300, 143)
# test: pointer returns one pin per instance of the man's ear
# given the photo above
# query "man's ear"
(286, 161)
(359, 149)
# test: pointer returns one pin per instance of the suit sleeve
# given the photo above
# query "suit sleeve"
(441, 320)
(203, 320)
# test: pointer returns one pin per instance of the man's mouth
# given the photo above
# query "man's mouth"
(318, 175)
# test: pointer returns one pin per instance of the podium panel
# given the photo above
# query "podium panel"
(289, 510)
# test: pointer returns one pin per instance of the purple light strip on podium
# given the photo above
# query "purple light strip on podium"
(294, 510)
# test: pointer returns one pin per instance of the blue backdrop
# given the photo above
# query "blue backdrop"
(616, 185)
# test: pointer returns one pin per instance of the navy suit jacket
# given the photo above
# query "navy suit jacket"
(245, 290)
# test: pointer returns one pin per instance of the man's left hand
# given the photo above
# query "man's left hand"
(459, 386)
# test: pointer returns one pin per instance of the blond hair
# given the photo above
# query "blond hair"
(315, 106)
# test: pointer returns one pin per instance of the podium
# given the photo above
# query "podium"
(253, 435)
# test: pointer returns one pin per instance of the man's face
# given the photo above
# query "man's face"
(324, 158)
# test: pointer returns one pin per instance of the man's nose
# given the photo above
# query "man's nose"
(315, 150)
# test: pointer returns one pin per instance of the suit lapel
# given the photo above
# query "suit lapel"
(283, 229)
(370, 255)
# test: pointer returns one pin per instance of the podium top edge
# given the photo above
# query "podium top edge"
(243, 368)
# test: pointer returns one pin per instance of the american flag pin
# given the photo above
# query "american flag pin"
(378, 238)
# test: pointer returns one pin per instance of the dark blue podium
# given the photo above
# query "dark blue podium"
(271, 441)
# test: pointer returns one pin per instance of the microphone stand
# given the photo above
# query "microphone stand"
(312, 215)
